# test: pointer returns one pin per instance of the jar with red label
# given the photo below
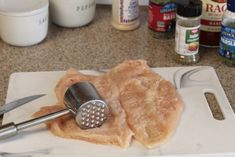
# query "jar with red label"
(161, 18)
(212, 13)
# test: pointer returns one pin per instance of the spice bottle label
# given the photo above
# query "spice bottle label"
(212, 13)
(227, 43)
(162, 17)
(128, 11)
(187, 40)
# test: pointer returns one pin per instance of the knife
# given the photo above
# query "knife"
(17, 103)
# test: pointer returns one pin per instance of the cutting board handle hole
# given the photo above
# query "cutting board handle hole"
(214, 106)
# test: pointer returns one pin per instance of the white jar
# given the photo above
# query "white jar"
(23, 22)
(72, 13)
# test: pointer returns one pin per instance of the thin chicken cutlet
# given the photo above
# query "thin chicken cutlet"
(143, 105)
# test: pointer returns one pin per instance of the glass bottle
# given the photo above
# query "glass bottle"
(212, 13)
(227, 42)
(161, 18)
(125, 14)
(187, 31)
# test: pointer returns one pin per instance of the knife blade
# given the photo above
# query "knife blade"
(17, 103)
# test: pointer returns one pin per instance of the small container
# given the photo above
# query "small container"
(23, 22)
(161, 18)
(227, 42)
(187, 31)
(125, 14)
(72, 13)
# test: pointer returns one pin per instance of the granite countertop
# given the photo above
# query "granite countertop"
(100, 46)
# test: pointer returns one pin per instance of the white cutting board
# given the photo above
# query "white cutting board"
(198, 133)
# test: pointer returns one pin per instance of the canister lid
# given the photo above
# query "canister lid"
(189, 8)
(22, 7)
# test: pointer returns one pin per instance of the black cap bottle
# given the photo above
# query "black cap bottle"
(187, 31)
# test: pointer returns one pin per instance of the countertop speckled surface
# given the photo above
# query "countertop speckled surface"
(100, 46)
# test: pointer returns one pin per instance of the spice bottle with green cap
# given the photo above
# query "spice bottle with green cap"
(188, 15)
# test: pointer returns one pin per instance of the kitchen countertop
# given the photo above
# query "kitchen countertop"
(100, 46)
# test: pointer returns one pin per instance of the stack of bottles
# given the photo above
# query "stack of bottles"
(193, 23)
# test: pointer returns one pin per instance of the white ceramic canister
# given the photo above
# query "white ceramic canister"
(72, 13)
(23, 22)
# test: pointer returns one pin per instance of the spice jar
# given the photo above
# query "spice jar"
(187, 31)
(227, 42)
(212, 13)
(161, 18)
(125, 14)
